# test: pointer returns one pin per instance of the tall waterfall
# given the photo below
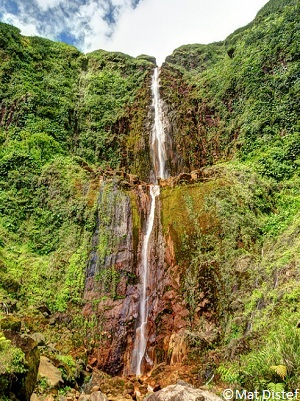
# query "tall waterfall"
(141, 332)
(159, 163)
(158, 131)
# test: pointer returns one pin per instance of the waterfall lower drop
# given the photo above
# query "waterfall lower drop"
(141, 333)
(159, 162)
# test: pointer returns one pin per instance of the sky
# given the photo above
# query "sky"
(153, 27)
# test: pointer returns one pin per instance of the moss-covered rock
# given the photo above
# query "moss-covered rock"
(21, 377)
(11, 323)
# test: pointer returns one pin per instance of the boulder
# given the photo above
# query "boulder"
(39, 338)
(23, 384)
(50, 372)
(98, 396)
(84, 397)
(97, 377)
(182, 392)
(49, 397)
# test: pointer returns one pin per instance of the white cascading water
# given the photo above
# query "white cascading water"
(158, 132)
(159, 161)
(141, 333)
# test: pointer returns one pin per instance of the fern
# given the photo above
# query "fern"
(280, 370)
(229, 373)
(258, 363)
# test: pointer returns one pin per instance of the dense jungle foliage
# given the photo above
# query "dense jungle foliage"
(234, 107)
(60, 110)
(237, 104)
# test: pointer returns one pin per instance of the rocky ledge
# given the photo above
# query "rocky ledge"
(181, 391)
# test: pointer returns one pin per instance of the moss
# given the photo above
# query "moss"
(136, 220)
(11, 323)
(183, 212)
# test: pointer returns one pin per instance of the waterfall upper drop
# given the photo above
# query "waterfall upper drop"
(158, 131)
(159, 165)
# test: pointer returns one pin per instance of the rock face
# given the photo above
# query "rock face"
(190, 123)
(182, 392)
(112, 286)
(113, 276)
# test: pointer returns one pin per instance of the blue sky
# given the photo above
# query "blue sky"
(154, 27)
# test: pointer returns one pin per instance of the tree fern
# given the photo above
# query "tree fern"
(280, 370)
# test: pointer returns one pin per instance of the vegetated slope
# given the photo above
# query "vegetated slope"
(240, 94)
(238, 103)
(63, 116)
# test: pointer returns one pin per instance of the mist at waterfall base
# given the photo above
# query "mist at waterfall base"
(159, 166)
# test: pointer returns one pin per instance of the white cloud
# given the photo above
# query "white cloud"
(46, 4)
(27, 29)
(121, 3)
(157, 27)
(91, 14)
(99, 31)
(154, 27)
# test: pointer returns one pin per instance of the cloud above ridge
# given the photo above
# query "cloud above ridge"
(154, 27)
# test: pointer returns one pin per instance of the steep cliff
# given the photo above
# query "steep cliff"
(64, 118)
(234, 103)
(237, 98)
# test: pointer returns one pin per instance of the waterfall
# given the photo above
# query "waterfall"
(141, 333)
(158, 131)
(159, 162)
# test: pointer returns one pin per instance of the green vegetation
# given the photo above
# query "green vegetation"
(277, 362)
(239, 98)
(68, 368)
(65, 118)
(237, 102)
(68, 119)
(109, 89)
(45, 232)
(12, 362)
(60, 110)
